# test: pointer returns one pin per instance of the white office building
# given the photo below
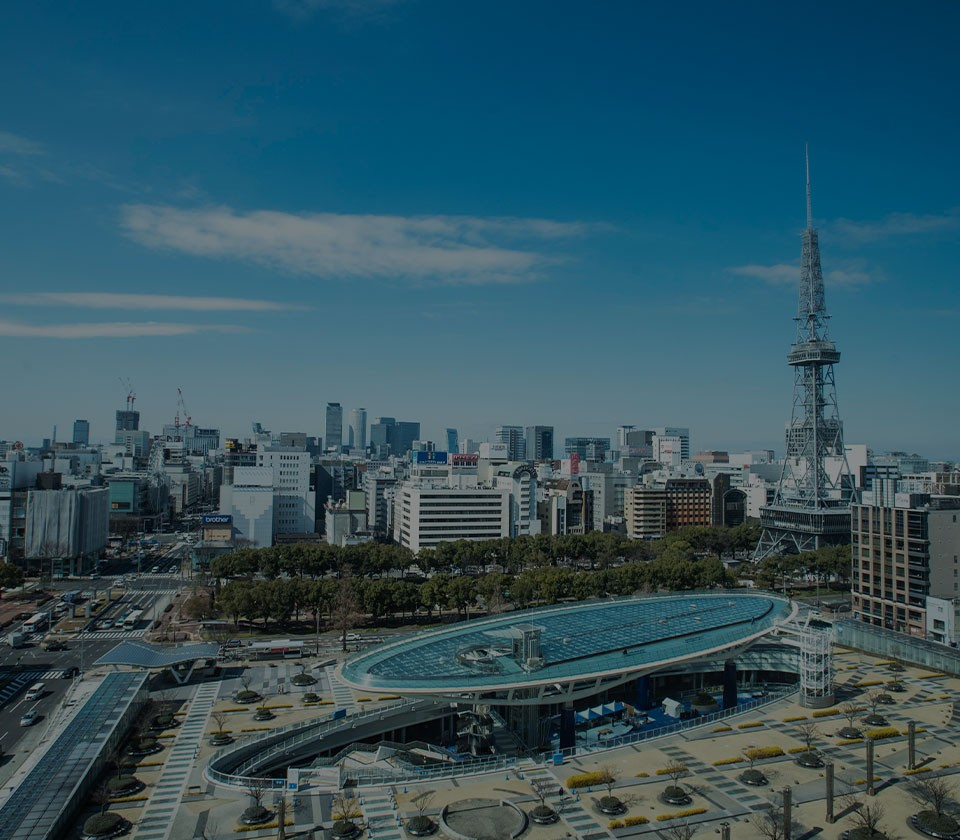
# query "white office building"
(427, 513)
(294, 506)
(249, 500)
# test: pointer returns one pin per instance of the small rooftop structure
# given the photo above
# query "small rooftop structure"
(145, 655)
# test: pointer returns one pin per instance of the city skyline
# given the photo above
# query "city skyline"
(475, 217)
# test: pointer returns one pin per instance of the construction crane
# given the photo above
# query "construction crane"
(181, 406)
(128, 387)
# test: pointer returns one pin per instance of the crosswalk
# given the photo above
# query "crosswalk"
(25, 678)
(102, 635)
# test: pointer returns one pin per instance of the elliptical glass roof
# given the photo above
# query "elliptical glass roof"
(576, 640)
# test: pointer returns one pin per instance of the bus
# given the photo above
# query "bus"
(132, 619)
(276, 649)
(36, 623)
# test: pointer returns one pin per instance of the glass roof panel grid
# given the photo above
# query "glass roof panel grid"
(579, 638)
(143, 655)
(37, 803)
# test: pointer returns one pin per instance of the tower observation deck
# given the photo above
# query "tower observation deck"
(811, 507)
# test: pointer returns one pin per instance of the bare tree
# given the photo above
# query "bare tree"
(851, 711)
(675, 770)
(680, 831)
(422, 801)
(607, 776)
(808, 732)
(935, 793)
(101, 795)
(867, 814)
(771, 823)
(343, 807)
(344, 610)
(220, 717)
(256, 789)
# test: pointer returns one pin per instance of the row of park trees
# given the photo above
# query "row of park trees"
(596, 550)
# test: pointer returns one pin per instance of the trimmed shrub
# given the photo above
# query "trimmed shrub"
(102, 825)
(676, 815)
(758, 753)
(722, 729)
(883, 732)
(663, 771)
(724, 761)
(582, 780)
(820, 713)
(615, 824)
(628, 821)
(794, 718)
(753, 724)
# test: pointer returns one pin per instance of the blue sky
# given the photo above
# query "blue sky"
(471, 214)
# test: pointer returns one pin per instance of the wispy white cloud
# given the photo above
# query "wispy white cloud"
(16, 145)
(118, 329)
(847, 273)
(896, 224)
(110, 300)
(449, 249)
(781, 274)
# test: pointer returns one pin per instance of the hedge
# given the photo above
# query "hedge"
(794, 718)
(724, 761)
(721, 729)
(259, 826)
(635, 820)
(868, 683)
(751, 725)
(676, 815)
(615, 824)
(921, 770)
(846, 742)
(643, 774)
(883, 732)
(756, 753)
(582, 780)
(825, 713)
(664, 771)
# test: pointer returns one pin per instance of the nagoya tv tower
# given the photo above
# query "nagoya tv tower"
(811, 508)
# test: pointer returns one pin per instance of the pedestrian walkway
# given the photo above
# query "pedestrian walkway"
(156, 821)
(571, 808)
(105, 635)
(380, 813)
(24, 678)
(342, 694)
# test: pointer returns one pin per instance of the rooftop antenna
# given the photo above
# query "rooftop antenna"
(806, 154)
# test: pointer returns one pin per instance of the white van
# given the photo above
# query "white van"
(36, 691)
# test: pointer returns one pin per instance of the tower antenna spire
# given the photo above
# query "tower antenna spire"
(806, 154)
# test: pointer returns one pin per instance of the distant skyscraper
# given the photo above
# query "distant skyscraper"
(512, 438)
(81, 432)
(334, 429)
(358, 428)
(405, 433)
(588, 448)
(811, 508)
(453, 441)
(539, 443)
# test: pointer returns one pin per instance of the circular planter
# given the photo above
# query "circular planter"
(544, 815)
(344, 830)
(420, 826)
(875, 720)
(943, 828)
(311, 697)
(896, 667)
(675, 795)
(247, 697)
(220, 739)
(100, 826)
(897, 687)
(886, 699)
(303, 679)
(255, 815)
(862, 834)
(264, 715)
(145, 746)
(849, 732)
(809, 759)
(753, 777)
(124, 786)
(611, 806)
(161, 722)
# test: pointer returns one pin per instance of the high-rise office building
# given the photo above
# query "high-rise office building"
(512, 438)
(358, 428)
(81, 432)
(405, 433)
(334, 427)
(128, 420)
(587, 448)
(453, 441)
(682, 433)
(539, 443)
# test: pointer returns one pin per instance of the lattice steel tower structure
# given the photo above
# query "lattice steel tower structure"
(811, 508)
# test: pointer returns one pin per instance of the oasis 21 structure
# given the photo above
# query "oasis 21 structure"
(811, 507)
